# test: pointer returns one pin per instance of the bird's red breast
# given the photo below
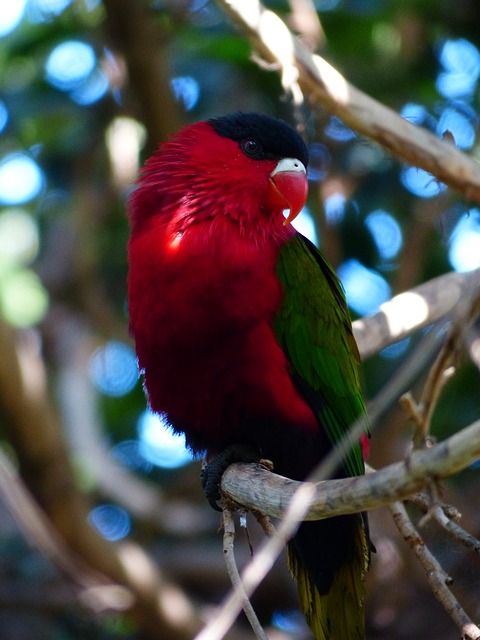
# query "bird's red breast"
(207, 226)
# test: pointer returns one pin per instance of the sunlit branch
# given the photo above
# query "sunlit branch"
(254, 487)
(271, 39)
(466, 314)
(412, 310)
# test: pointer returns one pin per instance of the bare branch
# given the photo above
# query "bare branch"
(439, 581)
(256, 488)
(453, 529)
(295, 501)
(103, 594)
(444, 366)
(228, 551)
(318, 80)
(261, 563)
(34, 427)
(412, 310)
(132, 29)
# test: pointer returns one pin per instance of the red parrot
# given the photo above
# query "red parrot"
(243, 335)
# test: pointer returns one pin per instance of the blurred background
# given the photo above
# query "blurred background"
(87, 91)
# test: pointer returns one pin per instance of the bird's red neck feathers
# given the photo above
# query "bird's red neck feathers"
(200, 175)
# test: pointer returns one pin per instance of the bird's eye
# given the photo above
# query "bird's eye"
(252, 148)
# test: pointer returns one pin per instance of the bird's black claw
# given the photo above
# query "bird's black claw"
(212, 472)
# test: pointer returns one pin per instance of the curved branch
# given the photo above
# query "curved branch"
(229, 554)
(439, 581)
(255, 488)
(35, 430)
(270, 37)
(413, 310)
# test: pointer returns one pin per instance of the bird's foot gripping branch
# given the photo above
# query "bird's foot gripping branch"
(213, 469)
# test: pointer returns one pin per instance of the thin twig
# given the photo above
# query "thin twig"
(443, 368)
(423, 503)
(439, 581)
(228, 551)
(261, 563)
(453, 529)
(421, 414)
(265, 522)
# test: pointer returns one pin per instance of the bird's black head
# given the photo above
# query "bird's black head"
(261, 137)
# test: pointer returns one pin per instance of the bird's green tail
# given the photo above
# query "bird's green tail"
(337, 614)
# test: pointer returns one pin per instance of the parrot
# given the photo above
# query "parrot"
(243, 336)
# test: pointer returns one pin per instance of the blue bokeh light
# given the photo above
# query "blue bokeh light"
(291, 622)
(460, 121)
(461, 62)
(334, 208)
(365, 289)
(464, 249)
(318, 161)
(111, 521)
(92, 89)
(159, 445)
(386, 232)
(418, 114)
(338, 131)
(128, 453)
(113, 368)
(69, 64)
(186, 90)
(421, 183)
(460, 55)
(11, 14)
(396, 350)
(455, 85)
(3, 115)
(49, 8)
(21, 179)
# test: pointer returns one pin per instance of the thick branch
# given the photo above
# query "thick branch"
(412, 310)
(34, 428)
(143, 42)
(255, 488)
(270, 37)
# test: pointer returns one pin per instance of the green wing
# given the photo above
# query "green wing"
(314, 329)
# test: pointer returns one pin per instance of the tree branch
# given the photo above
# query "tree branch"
(255, 488)
(143, 42)
(229, 554)
(412, 310)
(439, 581)
(272, 40)
(34, 428)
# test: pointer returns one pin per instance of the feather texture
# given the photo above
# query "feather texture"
(313, 327)
(334, 615)
(243, 334)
